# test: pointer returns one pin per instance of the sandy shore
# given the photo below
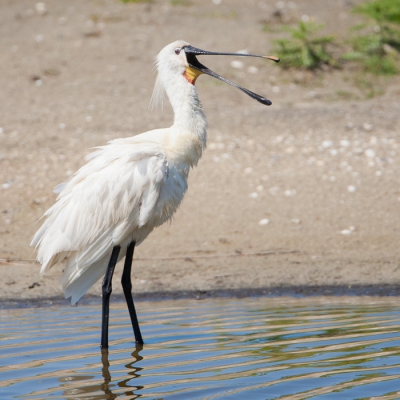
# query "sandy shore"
(302, 194)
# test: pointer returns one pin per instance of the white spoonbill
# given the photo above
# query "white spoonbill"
(129, 187)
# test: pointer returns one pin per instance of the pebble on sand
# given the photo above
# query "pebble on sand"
(367, 127)
(370, 153)
(344, 143)
(7, 185)
(351, 188)
(216, 146)
(252, 69)
(264, 221)
(327, 143)
(237, 64)
(373, 140)
(348, 231)
(41, 8)
(276, 89)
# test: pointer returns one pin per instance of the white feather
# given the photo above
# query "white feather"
(158, 95)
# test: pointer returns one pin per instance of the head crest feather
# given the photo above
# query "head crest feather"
(157, 98)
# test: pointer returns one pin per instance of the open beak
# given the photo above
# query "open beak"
(196, 68)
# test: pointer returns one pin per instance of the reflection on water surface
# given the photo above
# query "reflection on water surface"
(258, 348)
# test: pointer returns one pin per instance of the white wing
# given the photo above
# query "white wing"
(110, 200)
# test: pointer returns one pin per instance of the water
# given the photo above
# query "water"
(258, 348)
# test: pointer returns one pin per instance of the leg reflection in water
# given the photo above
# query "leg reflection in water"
(134, 373)
(105, 371)
(126, 383)
(76, 384)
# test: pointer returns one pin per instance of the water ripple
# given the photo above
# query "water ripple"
(262, 348)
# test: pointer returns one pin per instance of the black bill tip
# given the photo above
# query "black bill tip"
(264, 101)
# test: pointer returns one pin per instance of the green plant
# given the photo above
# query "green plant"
(304, 49)
(377, 46)
(381, 10)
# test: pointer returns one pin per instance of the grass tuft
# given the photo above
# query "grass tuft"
(376, 45)
(305, 50)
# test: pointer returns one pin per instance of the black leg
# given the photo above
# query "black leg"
(107, 289)
(127, 287)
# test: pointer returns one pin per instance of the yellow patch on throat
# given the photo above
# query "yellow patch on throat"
(191, 74)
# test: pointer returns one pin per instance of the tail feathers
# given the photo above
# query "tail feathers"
(91, 254)
(53, 260)
(76, 282)
(38, 236)
(52, 248)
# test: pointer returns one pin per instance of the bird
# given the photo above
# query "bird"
(129, 187)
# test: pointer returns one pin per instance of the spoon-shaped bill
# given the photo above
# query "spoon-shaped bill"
(199, 68)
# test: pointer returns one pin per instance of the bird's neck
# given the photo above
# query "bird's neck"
(190, 123)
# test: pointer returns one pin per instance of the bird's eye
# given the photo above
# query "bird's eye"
(177, 50)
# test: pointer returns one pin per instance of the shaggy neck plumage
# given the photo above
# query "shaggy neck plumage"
(189, 117)
(188, 111)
